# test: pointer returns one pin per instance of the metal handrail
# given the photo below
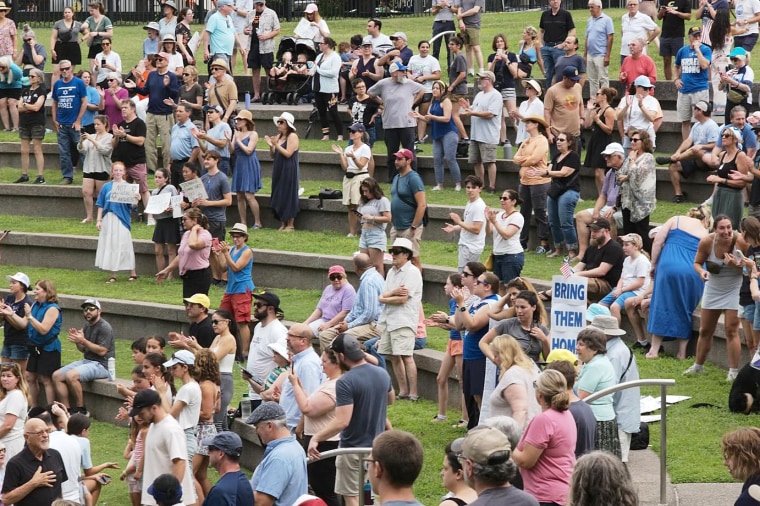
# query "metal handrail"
(348, 451)
(663, 384)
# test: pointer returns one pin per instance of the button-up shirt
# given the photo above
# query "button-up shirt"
(367, 307)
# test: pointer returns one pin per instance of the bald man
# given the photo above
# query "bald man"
(34, 476)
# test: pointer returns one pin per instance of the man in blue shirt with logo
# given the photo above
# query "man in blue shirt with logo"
(69, 105)
(692, 77)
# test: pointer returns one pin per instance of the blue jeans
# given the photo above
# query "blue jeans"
(68, 138)
(561, 212)
(509, 266)
(550, 56)
(445, 148)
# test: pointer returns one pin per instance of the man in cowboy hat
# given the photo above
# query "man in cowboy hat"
(402, 296)
(626, 402)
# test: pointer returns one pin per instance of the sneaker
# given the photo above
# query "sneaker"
(439, 418)
(67, 180)
(23, 179)
(678, 199)
(541, 250)
(349, 235)
(151, 221)
(458, 188)
(638, 345)
(663, 160)
(437, 188)
(708, 202)
(422, 141)
(694, 369)
(39, 180)
(731, 376)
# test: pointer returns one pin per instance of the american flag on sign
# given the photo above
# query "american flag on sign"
(565, 268)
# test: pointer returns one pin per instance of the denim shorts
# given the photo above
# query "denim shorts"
(373, 238)
(750, 312)
(88, 370)
(15, 351)
(608, 300)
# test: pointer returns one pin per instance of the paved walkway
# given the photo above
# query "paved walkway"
(644, 466)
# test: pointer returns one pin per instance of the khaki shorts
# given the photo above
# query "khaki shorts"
(597, 289)
(360, 332)
(346, 472)
(686, 101)
(399, 342)
(481, 152)
(352, 190)
(413, 235)
(471, 36)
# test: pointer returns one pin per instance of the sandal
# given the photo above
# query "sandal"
(85, 221)
(288, 229)
(554, 254)
(414, 398)
(402, 396)
(461, 424)
(132, 278)
(110, 280)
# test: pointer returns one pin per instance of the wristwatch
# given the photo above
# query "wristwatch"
(463, 309)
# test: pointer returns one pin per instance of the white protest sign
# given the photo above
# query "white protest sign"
(124, 193)
(157, 204)
(176, 203)
(568, 315)
(194, 189)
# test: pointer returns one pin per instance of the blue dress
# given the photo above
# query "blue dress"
(247, 176)
(677, 287)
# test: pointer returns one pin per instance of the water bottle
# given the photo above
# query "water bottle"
(369, 499)
(112, 369)
(507, 150)
(245, 406)
(247, 100)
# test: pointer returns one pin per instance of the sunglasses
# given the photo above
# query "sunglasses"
(466, 274)
(259, 305)
(727, 135)
(216, 68)
(280, 122)
(481, 282)
(335, 277)
(110, 80)
(89, 308)
(185, 74)
(560, 139)
(105, 43)
(396, 251)
(502, 199)
(63, 69)
(635, 139)
(217, 322)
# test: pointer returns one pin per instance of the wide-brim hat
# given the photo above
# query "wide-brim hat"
(220, 62)
(532, 83)
(246, 115)
(4, 7)
(537, 119)
(239, 228)
(169, 3)
(608, 325)
(287, 118)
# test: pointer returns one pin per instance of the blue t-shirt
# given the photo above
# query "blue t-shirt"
(365, 387)
(216, 187)
(221, 34)
(454, 334)
(69, 96)
(597, 30)
(93, 97)
(403, 203)
(694, 77)
(232, 489)
(471, 349)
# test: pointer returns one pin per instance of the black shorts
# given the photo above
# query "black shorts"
(427, 97)
(97, 176)
(10, 93)
(29, 132)
(218, 229)
(45, 363)
(94, 50)
(689, 167)
(257, 60)
(473, 376)
(67, 51)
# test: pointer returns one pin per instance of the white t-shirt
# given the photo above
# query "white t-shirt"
(746, 9)
(260, 356)
(635, 269)
(474, 212)
(14, 403)
(305, 30)
(190, 394)
(419, 66)
(164, 442)
(486, 130)
(512, 245)
(635, 27)
(363, 152)
(535, 108)
(71, 453)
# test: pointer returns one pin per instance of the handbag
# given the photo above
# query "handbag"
(327, 194)
(97, 28)
(488, 264)
(316, 83)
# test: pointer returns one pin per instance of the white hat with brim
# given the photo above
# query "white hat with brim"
(608, 325)
(287, 118)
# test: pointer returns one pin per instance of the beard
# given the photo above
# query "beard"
(401, 79)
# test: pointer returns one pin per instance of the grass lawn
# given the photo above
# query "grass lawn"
(128, 39)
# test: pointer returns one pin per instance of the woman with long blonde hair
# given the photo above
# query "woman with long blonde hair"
(514, 395)
(14, 403)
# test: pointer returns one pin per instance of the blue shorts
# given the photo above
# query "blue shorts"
(751, 313)
(373, 238)
(88, 370)
(608, 300)
(15, 351)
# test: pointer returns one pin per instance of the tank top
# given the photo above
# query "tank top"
(240, 281)
(725, 169)
(438, 129)
(361, 67)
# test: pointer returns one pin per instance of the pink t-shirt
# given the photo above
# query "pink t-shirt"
(194, 259)
(554, 432)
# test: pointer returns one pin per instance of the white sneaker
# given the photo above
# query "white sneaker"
(458, 188)
(437, 188)
(694, 369)
(731, 376)
(151, 221)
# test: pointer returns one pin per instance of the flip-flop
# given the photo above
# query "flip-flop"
(132, 278)
(110, 280)
(402, 396)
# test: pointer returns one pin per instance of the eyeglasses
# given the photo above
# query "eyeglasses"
(39, 433)
(89, 308)
(481, 282)
(727, 135)
(217, 322)
(635, 139)
(466, 274)
(367, 463)
(259, 305)
(335, 277)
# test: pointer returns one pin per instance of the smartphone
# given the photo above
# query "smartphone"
(215, 244)
(357, 213)
(250, 376)
(103, 62)
(104, 479)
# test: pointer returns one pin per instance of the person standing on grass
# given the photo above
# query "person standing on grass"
(96, 341)
(69, 104)
(472, 233)
(31, 108)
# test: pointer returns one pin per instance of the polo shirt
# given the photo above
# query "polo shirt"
(635, 27)
(282, 472)
(22, 467)
(309, 368)
(597, 30)
(182, 141)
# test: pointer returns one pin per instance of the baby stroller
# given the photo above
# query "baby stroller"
(297, 82)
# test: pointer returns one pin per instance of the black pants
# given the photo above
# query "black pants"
(176, 171)
(396, 138)
(322, 473)
(197, 281)
(641, 228)
(440, 27)
(327, 105)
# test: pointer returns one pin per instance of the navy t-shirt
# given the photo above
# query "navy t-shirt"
(232, 489)
(12, 334)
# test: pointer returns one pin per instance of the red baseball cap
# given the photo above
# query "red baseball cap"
(404, 153)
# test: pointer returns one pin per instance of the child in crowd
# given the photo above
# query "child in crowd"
(160, 379)
(134, 452)
(281, 70)
(139, 382)
(139, 350)
(155, 344)
(633, 280)
(94, 478)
